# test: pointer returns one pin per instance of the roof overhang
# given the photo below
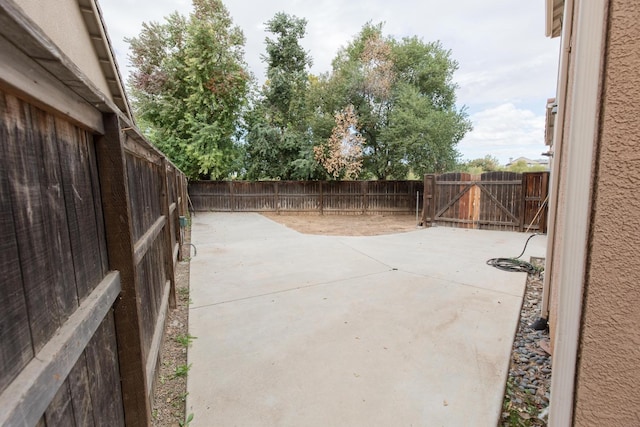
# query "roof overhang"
(555, 11)
(102, 44)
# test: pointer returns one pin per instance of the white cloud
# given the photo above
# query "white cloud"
(505, 132)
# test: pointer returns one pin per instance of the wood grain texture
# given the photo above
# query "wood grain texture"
(80, 390)
(25, 400)
(29, 209)
(120, 244)
(55, 219)
(60, 410)
(74, 146)
(15, 334)
(104, 375)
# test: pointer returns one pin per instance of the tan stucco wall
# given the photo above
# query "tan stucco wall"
(62, 21)
(608, 377)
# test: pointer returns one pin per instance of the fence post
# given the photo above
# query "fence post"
(544, 197)
(523, 200)
(321, 197)
(232, 198)
(120, 246)
(166, 210)
(276, 197)
(365, 196)
(429, 198)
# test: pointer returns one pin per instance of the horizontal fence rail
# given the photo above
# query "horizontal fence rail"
(308, 197)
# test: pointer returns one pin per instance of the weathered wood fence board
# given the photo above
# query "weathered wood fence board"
(324, 197)
(58, 256)
(84, 199)
(493, 200)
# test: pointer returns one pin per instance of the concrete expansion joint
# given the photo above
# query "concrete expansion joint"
(297, 288)
(367, 255)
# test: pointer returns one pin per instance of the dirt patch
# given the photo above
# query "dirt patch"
(346, 225)
(170, 389)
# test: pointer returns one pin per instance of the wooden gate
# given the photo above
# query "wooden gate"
(500, 203)
(535, 187)
(454, 200)
(493, 201)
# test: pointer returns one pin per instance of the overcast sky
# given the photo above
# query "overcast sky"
(508, 68)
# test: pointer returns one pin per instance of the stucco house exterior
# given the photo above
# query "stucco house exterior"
(591, 277)
(77, 29)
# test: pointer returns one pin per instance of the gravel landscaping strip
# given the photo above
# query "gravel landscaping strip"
(527, 391)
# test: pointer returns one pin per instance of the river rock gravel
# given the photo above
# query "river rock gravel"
(527, 390)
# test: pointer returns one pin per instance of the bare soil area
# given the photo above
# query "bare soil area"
(170, 391)
(346, 225)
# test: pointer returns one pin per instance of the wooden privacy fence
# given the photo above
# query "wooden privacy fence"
(323, 197)
(493, 201)
(89, 216)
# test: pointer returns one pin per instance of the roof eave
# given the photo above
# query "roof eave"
(94, 21)
(554, 13)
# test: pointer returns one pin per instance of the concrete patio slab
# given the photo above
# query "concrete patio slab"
(410, 329)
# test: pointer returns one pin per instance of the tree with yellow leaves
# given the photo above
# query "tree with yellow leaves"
(341, 154)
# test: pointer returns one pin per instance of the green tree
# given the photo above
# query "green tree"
(278, 135)
(404, 98)
(522, 166)
(488, 163)
(189, 87)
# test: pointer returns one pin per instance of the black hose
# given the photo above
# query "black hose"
(515, 264)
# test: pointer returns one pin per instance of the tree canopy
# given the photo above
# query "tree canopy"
(278, 143)
(189, 87)
(386, 110)
(404, 100)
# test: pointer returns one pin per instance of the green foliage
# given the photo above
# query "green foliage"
(477, 166)
(522, 166)
(185, 340)
(404, 98)
(187, 421)
(190, 91)
(490, 164)
(181, 370)
(188, 88)
(278, 138)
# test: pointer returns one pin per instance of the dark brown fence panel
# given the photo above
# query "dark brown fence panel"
(53, 258)
(343, 197)
(394, 197)
(500, 201)
(254, 196)
(323, 197)
(299, 196)
(211, 195)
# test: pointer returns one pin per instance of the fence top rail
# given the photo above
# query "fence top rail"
(477, 182)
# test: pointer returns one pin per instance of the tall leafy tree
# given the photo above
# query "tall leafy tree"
(404, 98)
(278, 135)
(189, 87)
